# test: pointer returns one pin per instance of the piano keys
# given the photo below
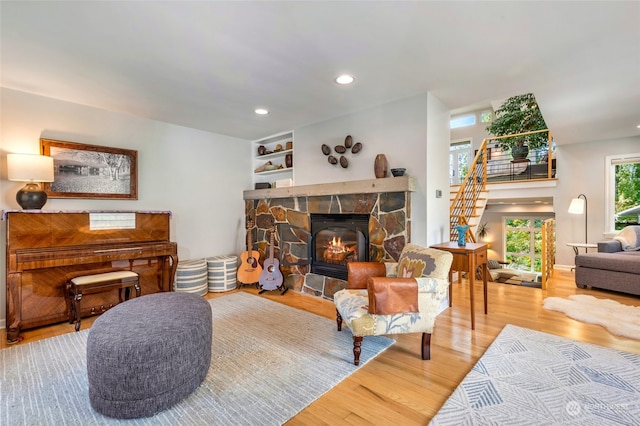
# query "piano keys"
(46, 249)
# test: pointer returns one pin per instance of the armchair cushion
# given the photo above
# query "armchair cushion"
(389, 296)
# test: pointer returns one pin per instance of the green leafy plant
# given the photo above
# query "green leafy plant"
(483, 230)
(519, 114)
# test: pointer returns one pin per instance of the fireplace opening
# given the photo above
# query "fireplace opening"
(337, 239)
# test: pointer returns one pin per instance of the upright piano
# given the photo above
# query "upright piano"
(45, 249)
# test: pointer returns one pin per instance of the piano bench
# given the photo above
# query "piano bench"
(98, 283)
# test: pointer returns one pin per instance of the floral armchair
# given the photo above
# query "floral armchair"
(395, 298)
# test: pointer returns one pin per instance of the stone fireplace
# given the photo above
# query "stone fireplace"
(381, 207)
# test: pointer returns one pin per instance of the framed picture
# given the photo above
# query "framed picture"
(488, 153)
(90, 171)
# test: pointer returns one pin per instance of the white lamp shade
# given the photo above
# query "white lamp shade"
(29, 168)
(577, 206)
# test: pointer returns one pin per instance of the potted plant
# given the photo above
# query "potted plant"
(519, 114)
(483, 230)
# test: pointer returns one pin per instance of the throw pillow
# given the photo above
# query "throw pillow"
(417, 261)
(493, 264)
(629, 238)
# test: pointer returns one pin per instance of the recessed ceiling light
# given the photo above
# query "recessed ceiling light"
(344, 79)
(261, 111)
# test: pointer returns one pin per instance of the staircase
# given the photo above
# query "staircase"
(470, 200)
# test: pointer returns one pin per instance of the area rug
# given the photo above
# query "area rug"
(531, 378)
(269, 361)
(621, 320)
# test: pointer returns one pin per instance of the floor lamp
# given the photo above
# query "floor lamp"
(578, 206)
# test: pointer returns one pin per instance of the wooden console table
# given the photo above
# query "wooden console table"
(467, 259)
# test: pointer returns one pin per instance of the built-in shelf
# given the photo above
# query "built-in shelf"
(267, 157)
(391, 184)
(277, 158)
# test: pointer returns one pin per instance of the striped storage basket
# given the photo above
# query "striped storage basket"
(191, 276)
(222, 273)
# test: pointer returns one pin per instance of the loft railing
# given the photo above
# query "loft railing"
(492, 166)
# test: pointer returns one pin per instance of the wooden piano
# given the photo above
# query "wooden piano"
(46, 249)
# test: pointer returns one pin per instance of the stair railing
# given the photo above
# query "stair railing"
(463, 205)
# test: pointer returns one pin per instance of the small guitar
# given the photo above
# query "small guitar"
(271, 277)
(249, 270)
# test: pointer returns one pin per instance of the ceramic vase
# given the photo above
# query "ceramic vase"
(462, 234)
(380, 166)
(288, 160)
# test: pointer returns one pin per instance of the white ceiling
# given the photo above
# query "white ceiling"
(209, 64)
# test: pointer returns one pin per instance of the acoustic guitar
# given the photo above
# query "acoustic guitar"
(249, 270)
(271, 277)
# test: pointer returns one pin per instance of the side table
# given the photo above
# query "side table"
(467, 259)
(585, 246)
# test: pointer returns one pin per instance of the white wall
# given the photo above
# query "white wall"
(476, 133)
(581, 170)
(437, 197)
(410, 132)
(197, 175)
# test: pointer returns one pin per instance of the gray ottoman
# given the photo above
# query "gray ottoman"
(148, 353)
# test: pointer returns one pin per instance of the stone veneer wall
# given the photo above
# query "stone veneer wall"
(389, 231)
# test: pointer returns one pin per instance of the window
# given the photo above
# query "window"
(523, 242)
(486, 117)
(622, 191)
(463, 121)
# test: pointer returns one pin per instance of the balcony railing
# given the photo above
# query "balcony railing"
(501, 165)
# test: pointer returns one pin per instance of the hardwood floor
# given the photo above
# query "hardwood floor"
(397, 387)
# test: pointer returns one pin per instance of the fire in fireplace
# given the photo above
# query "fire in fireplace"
(337, 239)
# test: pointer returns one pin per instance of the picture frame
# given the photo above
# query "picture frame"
(91, 171)
(488, 153)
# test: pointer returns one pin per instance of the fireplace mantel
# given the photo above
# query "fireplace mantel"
(368, 186)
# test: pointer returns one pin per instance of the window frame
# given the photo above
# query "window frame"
(454, 151)
(462, 117)
(611, 161)
(532, 218)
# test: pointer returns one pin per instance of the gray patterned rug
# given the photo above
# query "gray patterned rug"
(269, 361)
(531, 378)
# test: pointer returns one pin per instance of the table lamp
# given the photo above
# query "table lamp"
(578, 206)
(32, 169)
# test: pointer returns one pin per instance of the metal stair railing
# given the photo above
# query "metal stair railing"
(463, 206)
